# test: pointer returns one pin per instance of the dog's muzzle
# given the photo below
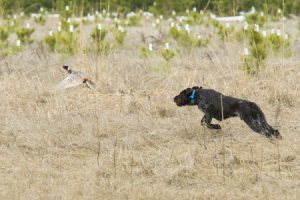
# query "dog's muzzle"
(177, 101)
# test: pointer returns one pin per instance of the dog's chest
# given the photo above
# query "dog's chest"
(203, 105)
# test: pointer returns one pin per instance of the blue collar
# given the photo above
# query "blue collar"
(192, 97)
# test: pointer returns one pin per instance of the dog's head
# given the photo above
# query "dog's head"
(187, 97)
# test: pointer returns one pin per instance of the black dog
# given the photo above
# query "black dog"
(209, 101)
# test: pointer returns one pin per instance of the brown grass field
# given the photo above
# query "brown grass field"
(128, 140)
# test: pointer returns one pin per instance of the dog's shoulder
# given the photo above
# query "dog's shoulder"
(209, 94)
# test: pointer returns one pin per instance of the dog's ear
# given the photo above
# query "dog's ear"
(196, 87)
(188, 90)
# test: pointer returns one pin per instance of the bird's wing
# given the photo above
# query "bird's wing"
(90, 84)
(68, 82)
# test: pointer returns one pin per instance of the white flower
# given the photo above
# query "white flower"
(161, 17)
(187, 28)
(256, 27)
(28, 25)
(71, 28)
(246, 26)
(173, 12)
(172, 24)
(15, 16)
(99, 26)
(103, 11)
(199, 37)
(279, 11)
(286, 36)
(121, 28)
(264, 33)
(227, 25)
(115, 14)
(150, 47)
(167, 45)
(41, 9)
(12, 23)
(278, 32)
(131, 14)
(67, 8)
(262, 14)
(59, 28)
(194, 9)
(246, 51)
(187, 11)
(272, 31)
(50, 33)
(18, 43)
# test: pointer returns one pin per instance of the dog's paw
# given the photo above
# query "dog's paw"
(213, 126)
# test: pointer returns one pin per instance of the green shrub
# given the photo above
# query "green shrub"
(167, 54)
(63, 42)
(99, 34)
(51, 41)
(222, 31)
(40, 19)
(134, 19)
(187, 40)
(256, 18)
(277, 43)
(175, 33)
(201, 42)
(120, 35)
(144, 52)
(258, 51)
(4, 33)
(24, 35)
(195, 18)
(8, 50)
(65, 25)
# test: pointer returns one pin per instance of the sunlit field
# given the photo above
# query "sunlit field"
(127, 139)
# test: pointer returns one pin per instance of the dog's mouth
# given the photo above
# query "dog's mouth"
(179, 104)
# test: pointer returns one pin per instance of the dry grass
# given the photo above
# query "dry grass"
(128, 140)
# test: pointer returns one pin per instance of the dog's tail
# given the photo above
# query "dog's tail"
(253, 116)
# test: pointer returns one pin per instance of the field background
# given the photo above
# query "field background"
(128, 140)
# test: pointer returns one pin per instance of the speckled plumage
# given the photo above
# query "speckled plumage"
(75, 79)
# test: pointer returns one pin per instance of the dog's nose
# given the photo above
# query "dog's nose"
(176, 99)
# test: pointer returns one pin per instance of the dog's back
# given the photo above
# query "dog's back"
(221, 110)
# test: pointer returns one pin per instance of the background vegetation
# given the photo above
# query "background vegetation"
(220, 7)
(126, 139)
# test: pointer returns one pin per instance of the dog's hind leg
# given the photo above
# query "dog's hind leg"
(252, 115)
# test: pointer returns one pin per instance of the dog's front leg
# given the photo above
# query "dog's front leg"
(203, 120)
(208, 118)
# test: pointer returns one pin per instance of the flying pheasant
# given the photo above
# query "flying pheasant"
(74, 79)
